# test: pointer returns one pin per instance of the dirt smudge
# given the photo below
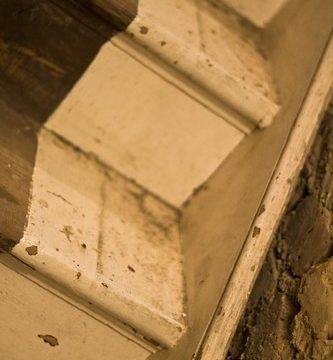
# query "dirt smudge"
(68, 231)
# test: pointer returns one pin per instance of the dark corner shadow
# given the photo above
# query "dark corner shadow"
(45, 47)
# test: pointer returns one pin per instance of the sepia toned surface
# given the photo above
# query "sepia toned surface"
(259, 237)
(131, 174)
(162, 139)
(123, 243)
(289, 311)
(31, 312)
(36, 74)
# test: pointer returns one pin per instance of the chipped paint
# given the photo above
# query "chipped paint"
(32, 250)
(256, 231)
(49, 339)
(196, 31)
(135, 273)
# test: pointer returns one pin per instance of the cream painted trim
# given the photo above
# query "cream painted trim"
(219, 86)
(49, 308)
(182, 83)
(250, 261)
(94, 237)
(259, 12)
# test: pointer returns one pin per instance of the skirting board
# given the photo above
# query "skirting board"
(234, 299)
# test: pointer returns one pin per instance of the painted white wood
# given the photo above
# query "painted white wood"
(236, 48)
(106, 239)
(212, 49)
(248, 266)
(143, 127)
(29, 310)
(229, 200)
(164, 138)
(183, 83)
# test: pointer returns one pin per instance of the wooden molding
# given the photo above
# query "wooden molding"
(208, 46)
(273, 204)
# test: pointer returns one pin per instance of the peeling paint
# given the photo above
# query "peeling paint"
(256, 231)
(49, 339)
(261, 210)
(32, 250)
(144, 30)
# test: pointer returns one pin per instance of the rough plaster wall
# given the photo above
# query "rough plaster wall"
(289, 314)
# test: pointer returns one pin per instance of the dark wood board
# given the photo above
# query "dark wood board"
(45, 47)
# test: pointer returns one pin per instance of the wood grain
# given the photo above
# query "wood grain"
(119, 12)
(44, 50)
